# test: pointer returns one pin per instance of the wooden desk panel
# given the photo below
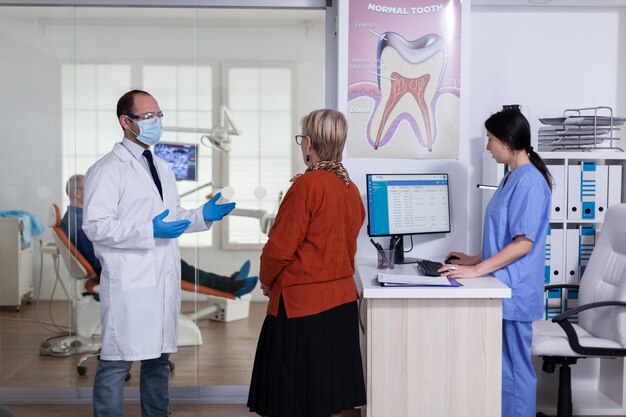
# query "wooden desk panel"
(432, 351)
(435, 358)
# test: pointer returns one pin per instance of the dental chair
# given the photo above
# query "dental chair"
(86, 330)
(601, 328)
(222, 306)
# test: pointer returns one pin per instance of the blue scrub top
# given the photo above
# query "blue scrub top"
(520, 207)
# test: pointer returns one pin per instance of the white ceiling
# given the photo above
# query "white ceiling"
(539, 3)
(169, 16)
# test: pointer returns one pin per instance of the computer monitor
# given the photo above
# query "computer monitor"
(407, 204)
(182, 157)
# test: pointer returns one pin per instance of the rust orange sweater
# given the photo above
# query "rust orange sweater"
(309, 257)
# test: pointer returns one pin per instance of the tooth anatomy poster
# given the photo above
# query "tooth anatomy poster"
(404, 78)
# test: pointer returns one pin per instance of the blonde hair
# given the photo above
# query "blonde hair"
(327, 129)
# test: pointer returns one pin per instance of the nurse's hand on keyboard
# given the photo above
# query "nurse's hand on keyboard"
(461, 265)
(459, 271)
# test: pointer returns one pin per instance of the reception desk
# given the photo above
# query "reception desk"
(432, 351)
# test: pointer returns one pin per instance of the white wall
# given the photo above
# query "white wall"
(546, 59)
(29, 135)
(29, 128)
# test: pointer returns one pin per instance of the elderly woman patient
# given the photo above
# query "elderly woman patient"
(308, 361)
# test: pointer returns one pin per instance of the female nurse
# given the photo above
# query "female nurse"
(516, 224)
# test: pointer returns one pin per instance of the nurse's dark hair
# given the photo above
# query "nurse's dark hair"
(512, 128)
(126, 103)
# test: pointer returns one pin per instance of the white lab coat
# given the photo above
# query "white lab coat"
(140, 279)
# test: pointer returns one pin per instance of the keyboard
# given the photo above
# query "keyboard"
(429, 268)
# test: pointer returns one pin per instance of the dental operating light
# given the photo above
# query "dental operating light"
(218, 137)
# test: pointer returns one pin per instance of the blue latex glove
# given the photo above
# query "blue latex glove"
(168, 230)
(212, 211)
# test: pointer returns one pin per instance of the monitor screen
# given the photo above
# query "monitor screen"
(182, 157)
(407, 204)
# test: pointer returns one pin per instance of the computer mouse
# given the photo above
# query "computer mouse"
(452, 258)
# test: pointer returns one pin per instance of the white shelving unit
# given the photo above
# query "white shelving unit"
(598, 385)
(567, 216)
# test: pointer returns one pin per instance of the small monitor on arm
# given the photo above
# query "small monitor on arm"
(182, 157)
(407, 204)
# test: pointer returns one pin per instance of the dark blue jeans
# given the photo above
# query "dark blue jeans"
(108, 387)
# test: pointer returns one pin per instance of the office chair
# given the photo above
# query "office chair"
(601, 328)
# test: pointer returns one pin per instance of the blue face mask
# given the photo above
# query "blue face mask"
(150, 131)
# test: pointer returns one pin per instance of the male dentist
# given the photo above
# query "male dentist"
(132, 215)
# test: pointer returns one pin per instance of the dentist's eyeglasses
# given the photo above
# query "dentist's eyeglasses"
(299, 138)
(145, 116)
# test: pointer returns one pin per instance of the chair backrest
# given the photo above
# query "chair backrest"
(75, 262)
(605, 279)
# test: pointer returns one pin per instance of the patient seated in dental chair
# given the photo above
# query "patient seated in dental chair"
(237, 284)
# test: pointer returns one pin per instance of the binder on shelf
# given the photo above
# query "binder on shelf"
(588, 186)
(553, 303)
(573, 192)
(555, 273)
(571, 302)
(602, 188)
(558, 192)
(615, 185)
(572, 255)
(587, 242)
(548, 256)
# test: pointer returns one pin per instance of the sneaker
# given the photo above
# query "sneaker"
(243, 271)
(248, 285)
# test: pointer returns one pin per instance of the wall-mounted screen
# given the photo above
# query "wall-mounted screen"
(182, 157)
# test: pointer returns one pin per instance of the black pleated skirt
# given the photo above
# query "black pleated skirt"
(308, 366)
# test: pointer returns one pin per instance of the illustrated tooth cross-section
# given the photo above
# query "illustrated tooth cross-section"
(409, 76)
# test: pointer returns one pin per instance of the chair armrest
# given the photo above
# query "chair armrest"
(555, 286)
(562, 320)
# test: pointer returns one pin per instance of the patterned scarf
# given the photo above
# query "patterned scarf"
(334, 167)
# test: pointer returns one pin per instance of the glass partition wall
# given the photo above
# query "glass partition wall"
(232, 84)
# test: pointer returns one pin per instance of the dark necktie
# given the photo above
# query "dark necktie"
(153, 171)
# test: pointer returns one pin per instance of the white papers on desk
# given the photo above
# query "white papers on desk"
(394, 280)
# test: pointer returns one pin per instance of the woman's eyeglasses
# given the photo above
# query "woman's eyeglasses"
(299, 138)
